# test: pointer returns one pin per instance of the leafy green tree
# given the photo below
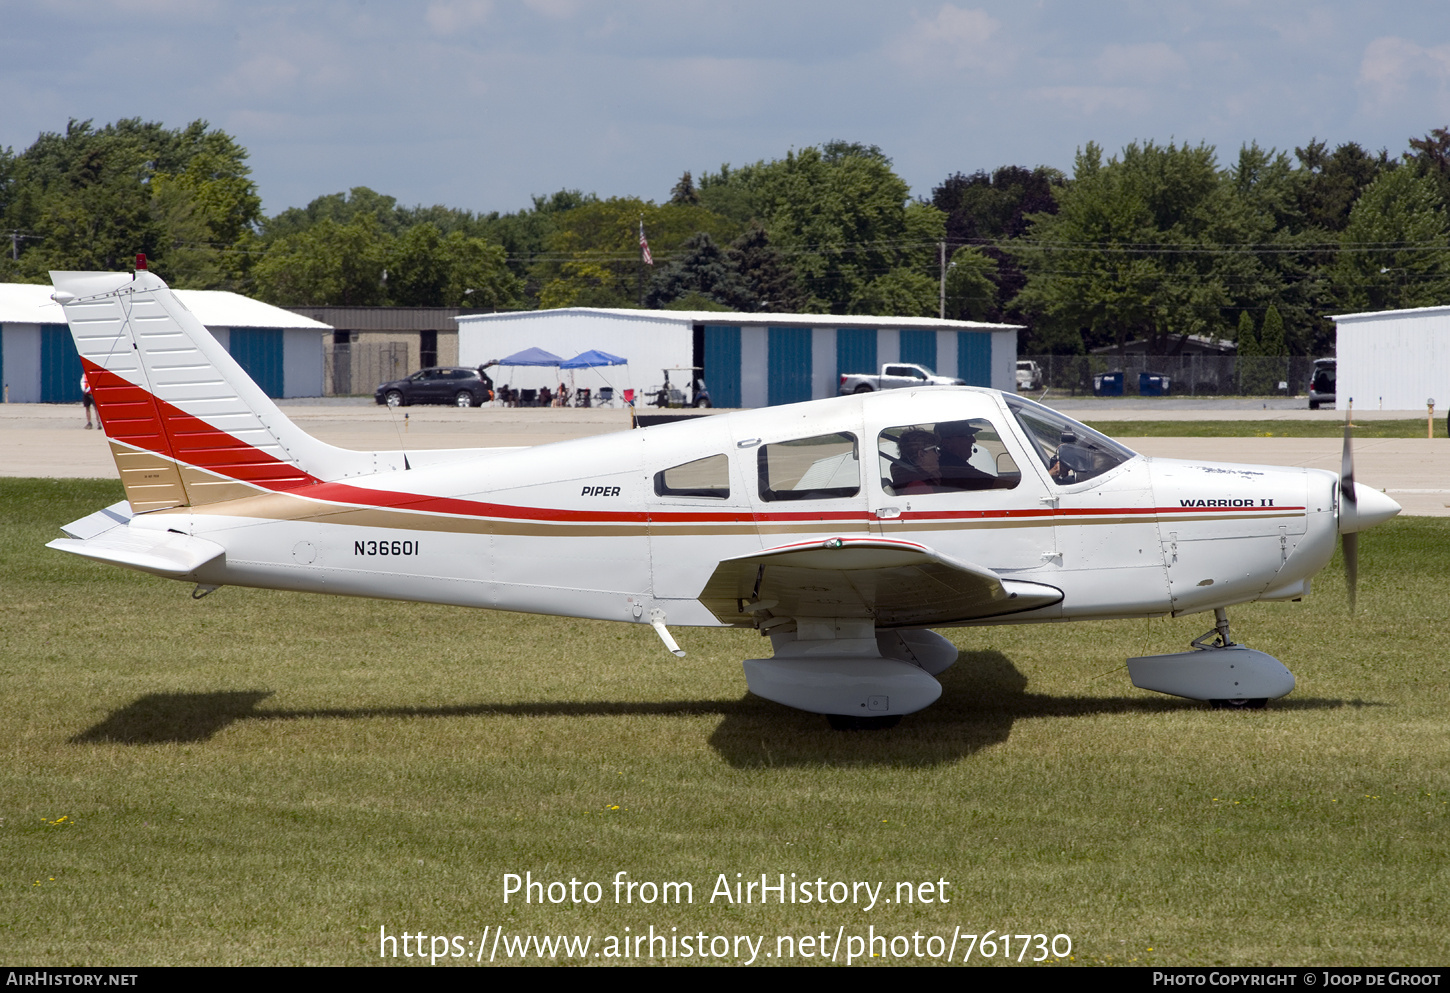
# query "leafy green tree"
(1271, 335)
(1129, 252)
(339, 208)
(838, 212)
(1247, 340)
(899, 293)
(971, 286)
(985, 209)
(1395, 251)
(1430, 156)
(1334, 181)
(1253, 364)
(327, 264)
(593, 255)
(92, 198)
(700, 268)
(685, 192)
(1271, 254)
(771, 280)
(478, 274)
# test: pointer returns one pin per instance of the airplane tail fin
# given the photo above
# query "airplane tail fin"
(187, 426)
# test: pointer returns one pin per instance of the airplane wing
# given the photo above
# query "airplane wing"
(897, 583)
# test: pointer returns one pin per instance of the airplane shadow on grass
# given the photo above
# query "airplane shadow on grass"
(982, 695)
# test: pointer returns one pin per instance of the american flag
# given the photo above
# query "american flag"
(644, 245)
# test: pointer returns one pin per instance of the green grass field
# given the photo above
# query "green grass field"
(269, 778)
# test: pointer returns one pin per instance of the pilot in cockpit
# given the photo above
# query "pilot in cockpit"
(958, 444)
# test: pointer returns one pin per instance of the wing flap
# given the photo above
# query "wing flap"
(894, 583)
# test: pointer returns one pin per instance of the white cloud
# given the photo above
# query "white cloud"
(447, 18)
(556, 10)
(263, 75)
(1089, 100)
(955, 38)
(1394, 69)
(1151, 63)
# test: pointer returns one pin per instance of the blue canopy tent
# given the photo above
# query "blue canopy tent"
(595, 359)
(592, 358)
(528, 357)
(531, 356)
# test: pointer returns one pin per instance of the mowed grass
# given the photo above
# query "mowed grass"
(1265, 429)
(259, 777)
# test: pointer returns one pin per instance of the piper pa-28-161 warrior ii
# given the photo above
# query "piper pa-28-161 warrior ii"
(844, 529)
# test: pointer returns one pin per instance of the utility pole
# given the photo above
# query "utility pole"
(942, 252)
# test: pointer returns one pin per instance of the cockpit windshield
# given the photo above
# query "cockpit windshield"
(1072, 452)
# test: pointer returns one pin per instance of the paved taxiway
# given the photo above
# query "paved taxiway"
(50, 440)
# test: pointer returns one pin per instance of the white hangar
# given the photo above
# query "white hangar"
(748, 360)
(281, 350)
(1393, 359)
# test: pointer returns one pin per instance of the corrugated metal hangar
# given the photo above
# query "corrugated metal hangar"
(281, 350)
(748, 360)
(1393, 359)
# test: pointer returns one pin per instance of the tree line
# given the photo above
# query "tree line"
(1157, 242)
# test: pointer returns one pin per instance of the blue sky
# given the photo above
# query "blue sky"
(481, 103)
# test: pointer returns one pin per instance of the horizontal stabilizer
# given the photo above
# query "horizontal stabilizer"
(161, 553)
(895, 583)
(100, 522)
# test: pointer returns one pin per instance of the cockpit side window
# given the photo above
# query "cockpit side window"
(707, 477)
(1072, 452)
(945, 457)
(824, 467)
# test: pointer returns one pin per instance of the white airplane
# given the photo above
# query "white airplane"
(844, 529)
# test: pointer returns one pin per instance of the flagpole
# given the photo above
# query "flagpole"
(643, 248)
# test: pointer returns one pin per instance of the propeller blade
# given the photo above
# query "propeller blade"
(1351, 563)
(1346, 472)
(1348, 505)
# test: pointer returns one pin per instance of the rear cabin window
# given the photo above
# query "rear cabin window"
(824, 467)
(708, 477)
(945, 457)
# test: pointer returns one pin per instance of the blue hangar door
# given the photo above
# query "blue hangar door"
(788, 366)
(260, 354)
(60, 365)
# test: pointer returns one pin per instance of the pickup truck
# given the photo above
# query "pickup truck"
(894, 376)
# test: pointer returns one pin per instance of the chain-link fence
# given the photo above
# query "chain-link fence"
(1174, 375)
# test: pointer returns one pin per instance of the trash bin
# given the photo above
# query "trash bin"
(1108, 384)
(1153, 384)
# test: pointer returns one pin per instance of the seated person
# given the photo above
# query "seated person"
(958, 440)
(919, 470)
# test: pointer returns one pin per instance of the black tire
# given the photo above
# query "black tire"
(394, 398)
(863, 388)
(1313, 404)
(464, 399)
(1256, 703)
(702, 402)
(850, 722)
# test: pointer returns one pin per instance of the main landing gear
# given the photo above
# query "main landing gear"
(1228, 676)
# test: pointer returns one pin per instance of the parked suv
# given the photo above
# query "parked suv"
(460, 387)
(1321, 384)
